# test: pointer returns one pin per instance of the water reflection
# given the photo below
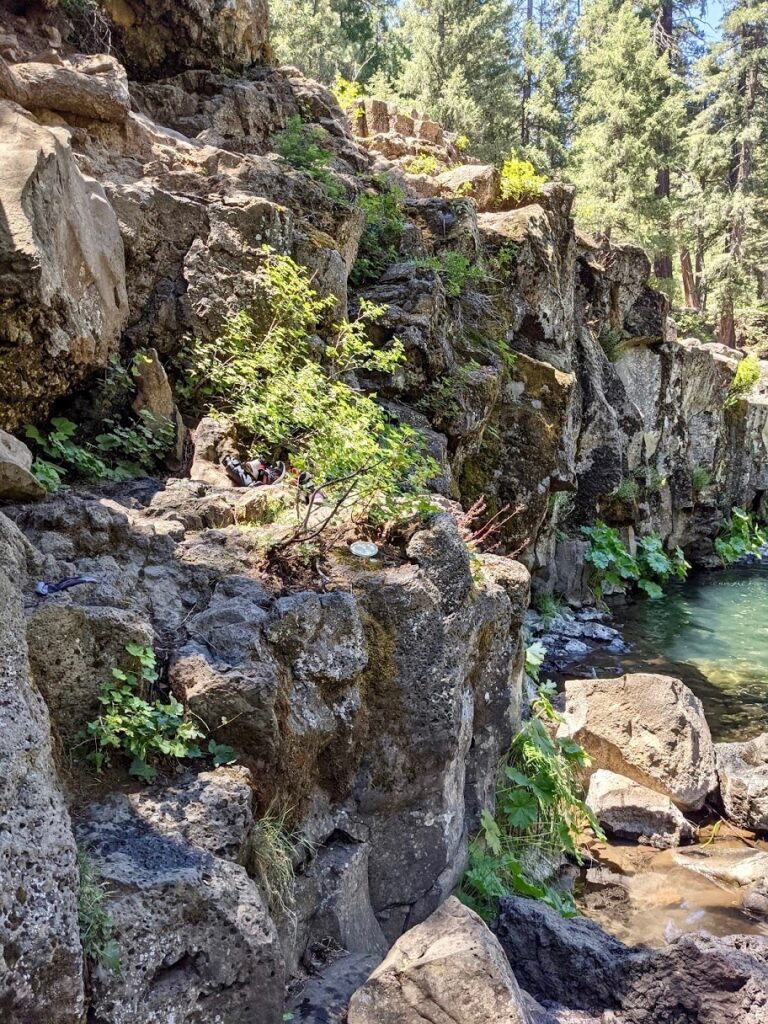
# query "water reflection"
(711, 631)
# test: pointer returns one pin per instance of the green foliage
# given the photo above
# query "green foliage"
(691, 323)
(384, 224)
(455, 269)
(266, 373)
(540, 815)
(549, 606)
(423, 163)
(519, 181)
(611, 341)
(741, 535)
(443, 396)
(626, 489)
(535, 653)
(506, 257)
(614, 568)
(347, 93)
(462, 143)
(300, 146)
(121, 453)
(95, 921)
(134, 726)
(700, 479)
(744, 379)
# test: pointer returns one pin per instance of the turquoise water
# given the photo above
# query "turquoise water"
(711, 631)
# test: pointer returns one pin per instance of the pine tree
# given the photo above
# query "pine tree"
(547, 64)
(628, 125)
(459, 68)
(729, 166)
(326, 38)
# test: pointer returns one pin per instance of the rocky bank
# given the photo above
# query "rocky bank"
(138, 185)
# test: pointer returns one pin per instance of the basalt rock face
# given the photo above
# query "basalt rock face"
(377, 710)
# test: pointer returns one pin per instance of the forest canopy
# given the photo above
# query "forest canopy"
(656, 112)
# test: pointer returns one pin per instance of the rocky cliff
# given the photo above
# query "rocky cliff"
(139, 184)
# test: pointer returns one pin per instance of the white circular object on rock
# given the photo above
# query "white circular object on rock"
(363, 549)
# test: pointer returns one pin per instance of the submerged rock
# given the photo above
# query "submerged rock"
(649, 728)
(628, 810)
(450, 968)
(743, 772)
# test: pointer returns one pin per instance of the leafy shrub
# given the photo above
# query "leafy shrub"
(746, 376)
(700, 479)
(506, 257)
(347, 93)
(614, 568)
(95, 921)
(423, 163)
(540, 815)
(455, 269)
(740, 536)
(462, 143)
(122, 452)
(384, 224)
(265, 372)
(752, 328)
(693, 324)
(299, 145)
(519, 181)
(144, 730)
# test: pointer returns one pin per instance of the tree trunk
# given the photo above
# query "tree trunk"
(691, 295)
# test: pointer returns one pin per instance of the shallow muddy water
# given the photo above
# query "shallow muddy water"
(650, 897)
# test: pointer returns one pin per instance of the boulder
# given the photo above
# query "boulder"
(41, 963)
(742, 769)
(477, 181)
(196, 942)
(155, 398)
(16, 480)
(95, 87)
(569, 961)
(72, 650)
(448, 970)
(158, 38)
(729, 865)
(213, 439)
(630, 811)
(648, 728)
(697, 979)
(325, 998)
(62, 265)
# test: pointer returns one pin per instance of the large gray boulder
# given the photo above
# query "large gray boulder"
(41, 965)
(627, 810)
(448, 969)
(17, 482)
(697, 979)
(62, 265)
(649, 728)
(742, 769)
(196, 942)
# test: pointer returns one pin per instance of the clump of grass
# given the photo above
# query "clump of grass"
(549, 606)
(273, 849)
(95, 921)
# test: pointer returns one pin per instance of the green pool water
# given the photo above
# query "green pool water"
(711, 631)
